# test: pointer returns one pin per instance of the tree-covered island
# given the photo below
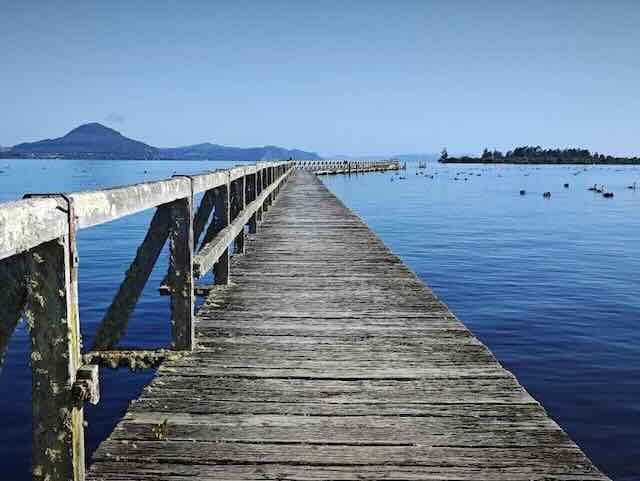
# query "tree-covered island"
(538, 155)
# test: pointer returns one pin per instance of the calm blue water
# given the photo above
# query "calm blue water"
(551, 286)
(105, 253)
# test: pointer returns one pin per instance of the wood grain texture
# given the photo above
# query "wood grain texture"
(180, 276)
(52, 315)
(328, 359)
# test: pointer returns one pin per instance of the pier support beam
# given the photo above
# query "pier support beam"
(222, 214)
(181, 273)
(52, 314)
(259, 187)
(240, 202)
(251, 192)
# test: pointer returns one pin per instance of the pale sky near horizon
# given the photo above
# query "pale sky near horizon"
(335, 77)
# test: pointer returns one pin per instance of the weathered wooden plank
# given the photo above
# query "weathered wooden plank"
(98, 207)
(348, 430)
(115, 322)
(27, 223)
(197, 405)
(556, 460)
(126, 470)
(472, 394)
(326, 370)
(53, 319)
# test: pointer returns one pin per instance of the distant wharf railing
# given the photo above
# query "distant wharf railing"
(329, 167)
(38, 276)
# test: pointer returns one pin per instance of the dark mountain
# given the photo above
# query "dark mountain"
(95, 141)
(209, 151)
(89, 141)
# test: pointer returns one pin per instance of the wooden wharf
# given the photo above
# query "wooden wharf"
(317, 354)
(333, 167)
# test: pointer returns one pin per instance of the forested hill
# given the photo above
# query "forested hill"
(538, 155)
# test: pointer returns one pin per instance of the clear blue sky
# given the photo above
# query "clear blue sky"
(349, 77)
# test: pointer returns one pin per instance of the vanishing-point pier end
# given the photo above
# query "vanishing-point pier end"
(325, 358)
(333, 167)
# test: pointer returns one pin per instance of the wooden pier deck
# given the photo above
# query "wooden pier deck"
(327, 358)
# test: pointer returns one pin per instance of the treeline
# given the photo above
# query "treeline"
(538, 155)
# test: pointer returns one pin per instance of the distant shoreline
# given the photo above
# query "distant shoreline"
(102, 159)
(536, 155)
(471, 160)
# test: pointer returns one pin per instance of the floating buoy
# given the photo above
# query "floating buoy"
(546, 195)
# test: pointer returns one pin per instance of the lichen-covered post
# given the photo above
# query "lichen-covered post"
(222, 214)
(180, 276)
(52, 314)
(241, 202)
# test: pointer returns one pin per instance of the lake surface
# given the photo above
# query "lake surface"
(551, 286)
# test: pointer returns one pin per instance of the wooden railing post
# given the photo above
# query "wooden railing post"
(241, 202)
(270, 182)
(222, 214)
(265, 184)
(52, 314)
(258, 190)
(180, 276)
(252, 186)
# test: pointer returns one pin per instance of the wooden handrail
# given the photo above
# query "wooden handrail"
(30, 222)
(38, 272)
(211, 252)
